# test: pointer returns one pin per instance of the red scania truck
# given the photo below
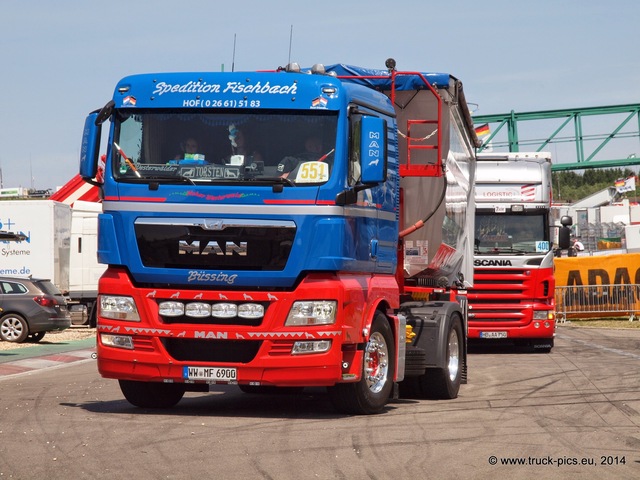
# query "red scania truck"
(512, 299)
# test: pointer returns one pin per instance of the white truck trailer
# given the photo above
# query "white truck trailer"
(60, 245)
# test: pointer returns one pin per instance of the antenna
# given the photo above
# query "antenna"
(233, 60)
(290, 42)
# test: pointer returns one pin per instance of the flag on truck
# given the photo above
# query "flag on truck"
(482, 130)
(625, 184)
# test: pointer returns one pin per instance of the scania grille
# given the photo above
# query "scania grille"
(491, 285)
(219, 351)
(499, 295)
(483, 310)
(214, 244)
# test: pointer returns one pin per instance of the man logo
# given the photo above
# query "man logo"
(212, 248)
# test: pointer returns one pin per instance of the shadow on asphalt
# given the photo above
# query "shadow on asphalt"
(229, 401)
(501, 349)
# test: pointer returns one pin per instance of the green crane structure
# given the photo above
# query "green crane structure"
(611, 139)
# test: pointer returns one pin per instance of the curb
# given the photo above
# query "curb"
(26, 360)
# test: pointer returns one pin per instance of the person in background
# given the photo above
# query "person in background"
(189, 147)
(312, 152)
(312, 149)
(578, 245)
(240, 145)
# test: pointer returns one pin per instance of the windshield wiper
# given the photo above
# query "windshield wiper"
(273, 180)
(155, 180)
(507, 250)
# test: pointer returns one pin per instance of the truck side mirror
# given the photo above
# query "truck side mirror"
(564, 237)
(90, 147)
(373, 149)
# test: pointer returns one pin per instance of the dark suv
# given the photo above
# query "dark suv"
(30, 307)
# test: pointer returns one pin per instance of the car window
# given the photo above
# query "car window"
(13, 288)
(48, 288)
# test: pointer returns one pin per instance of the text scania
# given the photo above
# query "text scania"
(231, 87)
(492, 263)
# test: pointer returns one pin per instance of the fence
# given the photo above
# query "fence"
(597, 301)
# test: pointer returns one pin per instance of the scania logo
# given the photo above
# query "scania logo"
(212, 248)
(492, 263)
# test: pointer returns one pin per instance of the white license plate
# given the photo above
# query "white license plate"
(210, 374)
(493, 334)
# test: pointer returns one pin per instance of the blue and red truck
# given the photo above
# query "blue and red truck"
(320, 235)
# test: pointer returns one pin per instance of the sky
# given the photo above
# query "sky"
(61, 60)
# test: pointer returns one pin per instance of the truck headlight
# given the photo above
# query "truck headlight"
(118, 308)
(543, 314)
(312, 312)
(316, 346)
(118, 341)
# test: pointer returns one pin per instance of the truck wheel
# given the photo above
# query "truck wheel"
(13, 328)
(152, 394)
(444, 383)
(93, 315)
(371, 393)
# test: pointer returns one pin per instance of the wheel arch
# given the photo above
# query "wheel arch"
(397, 324)
(436, 344)
(445, 326)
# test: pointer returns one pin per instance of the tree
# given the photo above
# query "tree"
(570, 186)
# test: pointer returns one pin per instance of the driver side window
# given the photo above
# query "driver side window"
(354, 173)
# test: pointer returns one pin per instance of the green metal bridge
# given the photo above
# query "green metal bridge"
(578, 138)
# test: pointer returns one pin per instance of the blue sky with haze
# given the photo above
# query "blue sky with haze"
(60, 60)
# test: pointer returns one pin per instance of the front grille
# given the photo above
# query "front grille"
(237, 247)
(281, 347)
(509, 285)
(219, 351)
(144, 344)
(499, 295)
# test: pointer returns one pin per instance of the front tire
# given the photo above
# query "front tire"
(152, 394)
(370, 394)
(13, 328)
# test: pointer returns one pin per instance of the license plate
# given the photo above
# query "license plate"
(493, 334)
(210, 374)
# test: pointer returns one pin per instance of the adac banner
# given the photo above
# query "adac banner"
(619, 269)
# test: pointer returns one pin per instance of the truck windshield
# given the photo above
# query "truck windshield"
(197, 147)
(511, 233)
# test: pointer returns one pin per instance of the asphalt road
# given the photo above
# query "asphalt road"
(573, 413)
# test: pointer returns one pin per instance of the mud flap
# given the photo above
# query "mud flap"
(431, 323)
